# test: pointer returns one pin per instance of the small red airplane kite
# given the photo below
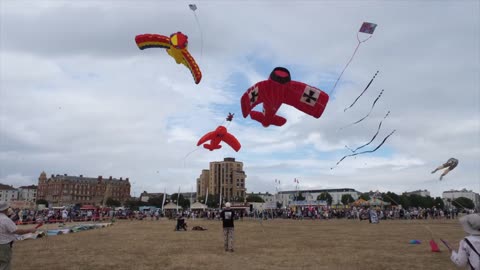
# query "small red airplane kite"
(216, 137)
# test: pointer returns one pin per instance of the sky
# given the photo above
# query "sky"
(77, 96)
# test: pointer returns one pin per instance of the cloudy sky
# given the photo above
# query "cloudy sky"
(77, 96)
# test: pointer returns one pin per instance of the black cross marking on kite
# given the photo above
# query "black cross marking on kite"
(254, 96)
(310, 96)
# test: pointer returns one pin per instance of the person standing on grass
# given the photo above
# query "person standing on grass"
(8, 230)
(228, 216)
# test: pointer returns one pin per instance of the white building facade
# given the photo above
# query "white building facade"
(27, 193)
(454, 194)
(8, 193)
(288, 197)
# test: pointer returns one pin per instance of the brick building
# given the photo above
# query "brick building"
(224, 177)
(60, 190)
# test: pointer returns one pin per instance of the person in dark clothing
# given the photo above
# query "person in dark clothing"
(228, 215)
(181, 225)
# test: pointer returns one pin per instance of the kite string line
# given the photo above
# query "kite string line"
(348, 63)
(201, 33)
(185, 158)
(361, 41)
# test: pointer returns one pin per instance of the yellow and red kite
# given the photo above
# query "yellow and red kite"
(176, 46)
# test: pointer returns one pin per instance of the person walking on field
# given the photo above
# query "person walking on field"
(8, 230)
(228, 216)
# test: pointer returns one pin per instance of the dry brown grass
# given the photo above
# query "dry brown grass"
(278, 244)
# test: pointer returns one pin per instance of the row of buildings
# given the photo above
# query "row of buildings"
(288, 197)
(23, 193)
(60, 190)
(225, 179)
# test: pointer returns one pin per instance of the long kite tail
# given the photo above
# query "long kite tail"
(368, 85)
(364, 152)
(374, 136)
(363, 118)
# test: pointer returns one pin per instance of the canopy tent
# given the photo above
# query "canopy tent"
(360, 202)
(197, 205)
(171, 206)
(377, 202)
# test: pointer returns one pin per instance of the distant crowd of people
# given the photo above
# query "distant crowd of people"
(467, 254)
(360, 213)
(26, 216)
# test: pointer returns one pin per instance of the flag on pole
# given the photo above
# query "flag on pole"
(178, 197)
(164, 196)
(206, 197)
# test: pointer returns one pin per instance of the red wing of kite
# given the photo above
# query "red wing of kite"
(146, 41)
(192, 66)
(207, 137)
(252, 97)
(216, 137)
(232, 141)
(306, 98)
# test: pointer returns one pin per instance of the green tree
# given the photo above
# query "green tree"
(391, 197)
(428, 202)
(325, 196)
(364, 196)
(212, 202)
(134, 204)
(112, 203)
(463, 203)
(300, 197)
(184, 203)
(42, 201)
(439, 203)
(238, 199)
(254, 198)
(405, 201)
(156, 201)
(416, 200)
(347, 199)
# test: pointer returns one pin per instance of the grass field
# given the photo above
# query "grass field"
(277, 244)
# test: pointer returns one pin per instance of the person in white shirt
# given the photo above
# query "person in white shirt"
(8, 230)
(65, 215)
(468, 253)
